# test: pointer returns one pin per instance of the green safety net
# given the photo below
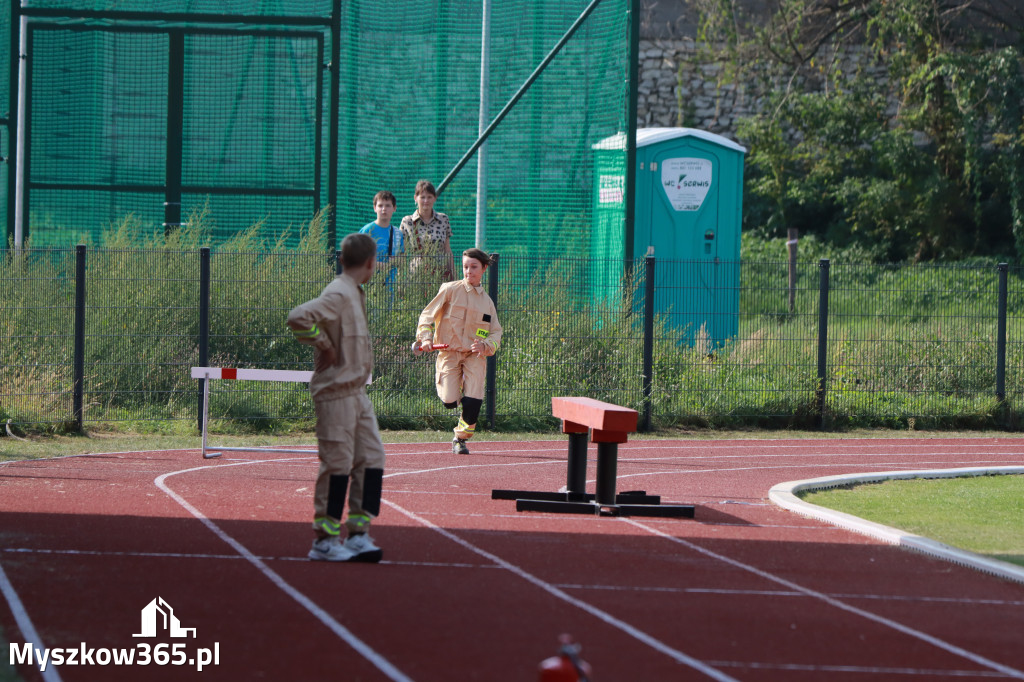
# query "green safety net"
(254, 83)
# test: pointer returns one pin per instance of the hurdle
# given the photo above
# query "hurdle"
(241, 374)
(607, 425)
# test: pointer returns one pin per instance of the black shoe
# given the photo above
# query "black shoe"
(459, 446)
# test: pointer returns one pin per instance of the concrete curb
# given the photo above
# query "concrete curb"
(784, 495)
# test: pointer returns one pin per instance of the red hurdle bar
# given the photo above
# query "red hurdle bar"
(607, 425)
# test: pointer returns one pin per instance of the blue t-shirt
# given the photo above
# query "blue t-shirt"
(385, 237)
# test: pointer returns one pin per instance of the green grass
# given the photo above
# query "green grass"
(119, 439)
(981, 514)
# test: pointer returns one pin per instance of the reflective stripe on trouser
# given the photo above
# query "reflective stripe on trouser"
(459, 374)
(349, 445)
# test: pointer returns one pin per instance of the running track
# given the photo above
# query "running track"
(472, 590)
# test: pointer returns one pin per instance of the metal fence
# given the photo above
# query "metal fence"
(259, 114)
(107, 335)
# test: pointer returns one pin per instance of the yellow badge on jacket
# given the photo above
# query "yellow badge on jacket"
(482, 333)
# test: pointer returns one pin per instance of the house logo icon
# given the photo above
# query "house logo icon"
(159, 616)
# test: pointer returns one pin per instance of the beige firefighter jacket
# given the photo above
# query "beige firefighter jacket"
(459, 315)
(337, 317)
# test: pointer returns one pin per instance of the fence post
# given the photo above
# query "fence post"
(490, 396)
(338, 267)
(823, 285)
(78, 363)
(1001, 335)
(648, 340)
(204, 324)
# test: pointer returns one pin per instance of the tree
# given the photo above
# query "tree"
(929, 166)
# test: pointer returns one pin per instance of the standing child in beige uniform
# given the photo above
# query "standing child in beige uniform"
(349, 446)
(462, 316)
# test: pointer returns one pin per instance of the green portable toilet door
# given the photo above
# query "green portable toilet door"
(684, 230)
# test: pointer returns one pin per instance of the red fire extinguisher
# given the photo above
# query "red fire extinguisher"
(567, 666)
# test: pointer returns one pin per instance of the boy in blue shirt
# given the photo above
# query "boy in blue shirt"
(389, 240)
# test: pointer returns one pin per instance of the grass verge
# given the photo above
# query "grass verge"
(37, 446)
(981, 514)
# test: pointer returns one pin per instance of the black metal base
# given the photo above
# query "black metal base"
(632, 503)
(628, 497)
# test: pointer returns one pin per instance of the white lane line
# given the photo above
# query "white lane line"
(221, 557)
(809, 465)
(381, 663)
(24, 622)
(831, 601)
(604, 616)
(927, 673)
(790, 593)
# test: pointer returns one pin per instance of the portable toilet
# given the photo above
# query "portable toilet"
(688, 209)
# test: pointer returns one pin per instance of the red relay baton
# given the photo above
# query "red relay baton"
(437, 346)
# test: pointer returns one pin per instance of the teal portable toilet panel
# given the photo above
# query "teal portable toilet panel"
(607, 235)
(689, 202)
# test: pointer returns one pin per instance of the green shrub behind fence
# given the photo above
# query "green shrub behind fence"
(905, 345)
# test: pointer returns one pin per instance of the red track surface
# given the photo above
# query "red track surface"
(472, 590)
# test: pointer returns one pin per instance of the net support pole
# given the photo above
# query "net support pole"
(14, 100)
(485, 100)
(633, 90)
(332, 127)
(18, 169)
(519, 94)
(175, 130)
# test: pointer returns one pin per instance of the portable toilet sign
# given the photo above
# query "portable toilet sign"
(688, 209)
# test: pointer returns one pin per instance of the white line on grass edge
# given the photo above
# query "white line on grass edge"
(784, 495)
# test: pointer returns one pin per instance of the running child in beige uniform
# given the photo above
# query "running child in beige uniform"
(348, 439)
(462, 315)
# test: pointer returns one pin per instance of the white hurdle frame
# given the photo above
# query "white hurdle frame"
(242, 374)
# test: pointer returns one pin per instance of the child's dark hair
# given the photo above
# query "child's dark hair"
(356, 249)
(385, 196)
(478, 254)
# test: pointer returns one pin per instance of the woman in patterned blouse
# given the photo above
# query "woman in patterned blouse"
(428, 236)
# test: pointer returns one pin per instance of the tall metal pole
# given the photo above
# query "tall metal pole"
(633, 89)
(14, 106)
(332, 128)
(19, 145)
(519, 94)
(485, 101)
(175, 130)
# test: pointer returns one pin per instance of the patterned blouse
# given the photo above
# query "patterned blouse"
(429, 239)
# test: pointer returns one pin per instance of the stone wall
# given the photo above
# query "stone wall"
(677, 89)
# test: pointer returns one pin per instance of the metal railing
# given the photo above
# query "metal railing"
(108, 335)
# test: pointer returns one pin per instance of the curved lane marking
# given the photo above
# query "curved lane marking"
(337, 628)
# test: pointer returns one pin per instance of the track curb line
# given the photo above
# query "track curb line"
(784, 495)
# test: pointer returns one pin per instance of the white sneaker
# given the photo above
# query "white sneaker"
(329, 549)
(361, 549)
